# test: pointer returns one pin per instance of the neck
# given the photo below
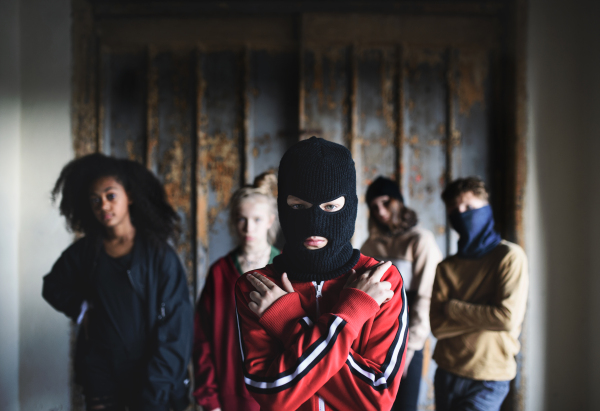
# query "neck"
(255, 248)
(123, 232)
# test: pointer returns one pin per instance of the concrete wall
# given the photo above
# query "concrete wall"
(10, 108)
(45, 147)
(35, 142)
(563, 202)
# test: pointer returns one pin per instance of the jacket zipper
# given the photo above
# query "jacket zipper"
(318, 293)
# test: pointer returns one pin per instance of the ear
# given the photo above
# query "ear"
(271, 220)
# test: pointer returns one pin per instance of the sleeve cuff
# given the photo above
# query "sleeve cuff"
(452, 307)
(355, 307)
(281, 314)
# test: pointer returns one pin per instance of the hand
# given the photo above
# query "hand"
(409, 357)
(267, 292)
(370, 283)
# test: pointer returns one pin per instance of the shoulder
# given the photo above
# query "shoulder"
(223, 264)
(510, 253)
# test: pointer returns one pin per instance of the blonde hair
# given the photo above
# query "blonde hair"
(264, 188)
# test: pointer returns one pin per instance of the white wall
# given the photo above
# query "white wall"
(45, 146)
(563, 201)
(9, 199)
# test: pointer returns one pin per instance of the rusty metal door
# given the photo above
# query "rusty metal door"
(209, 102)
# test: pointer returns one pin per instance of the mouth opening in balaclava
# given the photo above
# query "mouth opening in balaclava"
(317, 171)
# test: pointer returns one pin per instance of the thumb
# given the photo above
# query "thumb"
(287, 285)
(350, 277)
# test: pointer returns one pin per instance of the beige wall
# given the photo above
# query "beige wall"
(563, 203)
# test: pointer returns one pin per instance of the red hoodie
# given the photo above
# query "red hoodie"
(324, 347)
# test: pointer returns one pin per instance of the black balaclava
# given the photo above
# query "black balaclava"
(317, 171)
(383, 187)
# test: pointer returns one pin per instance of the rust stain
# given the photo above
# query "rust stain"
(413, 140)
(130, 147)
(473, 68)
(84, 120)
(387, 90)
(222, 169)
(255, 152)
(423, 56)
(441, 129)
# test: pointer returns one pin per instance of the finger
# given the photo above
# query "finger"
(389, 294)
(351, 277)
(264, 280)
(380, 270)
(259, 285)
(253, 306)
(255, 296)
(386, 285)
(287, 285)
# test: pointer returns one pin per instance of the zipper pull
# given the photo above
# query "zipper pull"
(320, 289)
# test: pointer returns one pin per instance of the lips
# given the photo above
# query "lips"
(314, 241)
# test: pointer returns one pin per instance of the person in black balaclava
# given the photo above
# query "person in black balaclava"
(337, 331)
(477, 305)
(317, 172)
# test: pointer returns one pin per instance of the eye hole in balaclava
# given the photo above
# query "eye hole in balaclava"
(318, 172)
(296, 203)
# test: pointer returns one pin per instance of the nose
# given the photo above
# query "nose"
(105, 204)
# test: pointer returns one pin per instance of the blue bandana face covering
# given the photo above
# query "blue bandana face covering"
(476, 230)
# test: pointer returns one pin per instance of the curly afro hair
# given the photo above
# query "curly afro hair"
(151, 214)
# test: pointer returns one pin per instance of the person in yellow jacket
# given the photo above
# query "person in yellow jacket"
(477, 305)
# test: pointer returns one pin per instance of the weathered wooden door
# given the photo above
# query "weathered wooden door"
(209, 99)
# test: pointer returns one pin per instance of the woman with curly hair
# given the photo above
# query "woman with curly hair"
(253, 220)
(124, 284)
(395, 236)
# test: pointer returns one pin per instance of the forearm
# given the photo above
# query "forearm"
(285, 377)
(480, 316)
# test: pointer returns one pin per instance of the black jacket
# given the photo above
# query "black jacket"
(158, 277)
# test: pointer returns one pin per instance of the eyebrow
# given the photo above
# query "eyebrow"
(105, 190)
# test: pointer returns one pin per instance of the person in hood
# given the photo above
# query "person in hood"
(124, 285)
(394, 235)
(323, 327)
(477, 305)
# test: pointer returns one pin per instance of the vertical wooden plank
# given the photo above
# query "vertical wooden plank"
(471, 132)
(400, 131)
(354, 146)
(84, 104)
(221, 147)
(376, 123)
(174, 146)
(202, 181)
(152, 131)
(452, 139)
(326, 84)
(301, 80)
(273, 107)
(247, 119)
(122, 104)
(425, 125)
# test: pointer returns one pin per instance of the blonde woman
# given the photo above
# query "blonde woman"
(219, 383)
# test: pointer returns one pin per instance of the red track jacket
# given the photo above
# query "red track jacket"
(324, 347)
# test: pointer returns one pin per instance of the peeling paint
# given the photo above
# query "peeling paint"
(473, 68)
